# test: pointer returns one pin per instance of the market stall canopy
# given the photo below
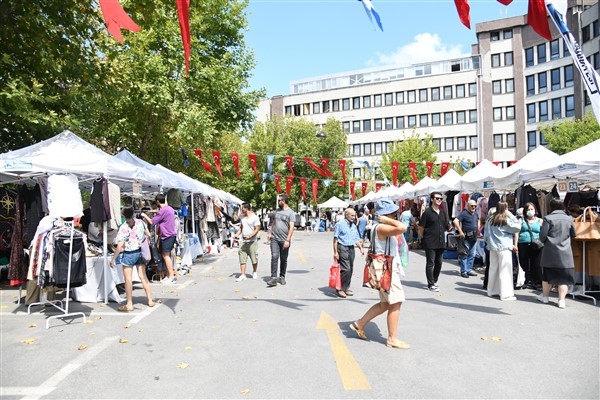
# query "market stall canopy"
(386, 192)
(169, 180)
(450, 181)
(365, 199)
(68, 153)
(424, 186)
(582, 164)
(479, 177)
(334, 202)
(403, 191)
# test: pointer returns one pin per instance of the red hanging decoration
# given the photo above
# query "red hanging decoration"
(303, 187)
(378, 186)
(315, 189)
(395, 165)
(277, 187)
(325, 165)
(289, 161)
(444, 168)
(364, 189)
(217, 159)
(352, 185)
(183, 14)
(252, 158)
(463, 8)
(342, 165)
(207, 166)
(537, 18)
(412, 166)
(288, 184)
(116, 18)
(429, 166)
(496, 163)
(315, 166)
(341, 183)
(505, 2)
(511, 162)
(236, 163)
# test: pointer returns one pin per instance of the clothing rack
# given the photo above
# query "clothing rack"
(64, 309)
(584, 291)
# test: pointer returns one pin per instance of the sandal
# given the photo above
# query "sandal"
(398, 344)
(349, 293)
(151, 303)
(341, 294)
(360, 332)
(125, 308)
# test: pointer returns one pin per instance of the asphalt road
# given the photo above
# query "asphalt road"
(212, 337)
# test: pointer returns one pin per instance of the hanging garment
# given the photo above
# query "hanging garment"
(64, 197)
(61, 262)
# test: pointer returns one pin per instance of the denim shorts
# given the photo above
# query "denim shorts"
(167, 244)
(131, 258)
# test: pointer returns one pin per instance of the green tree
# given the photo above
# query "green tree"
(566, 135)
(414, 148)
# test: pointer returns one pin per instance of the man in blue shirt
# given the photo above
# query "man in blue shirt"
(345, 237)
(467, 225)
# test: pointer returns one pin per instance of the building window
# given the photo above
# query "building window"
(496, 87)
(336, 105)
(345, 104)
(542, 82)
(529, 57)
(472, 116)
(356, 149)
(437, 143)
(554, 50)
(530, 85)
(366, 125)
(531, 113)
(556, 108)
(510, 112)
(585, 33)
(497, 113)
(541, 53)
(412, 121)
(511, 140)
(389, 123)
(366, 101)
(377, 100)
(355, 126)
(306, 108)
(542, 139)
(316, 108)
(543, 108)
(435, 93)
(461, 117)
(494, 36)
(449, 144)
(424, 120)
(448, 118)
(568, 75)
(569, 106)
(389, 99)
(531, 141)
(367, 148)
(555, 78)
(509, 85)
(508, 58)
(412, 96)
(508, 34)
(297, 110)
(422, 95)
(346, 125)
(399, 122)
(355, 103)
(461, 143)
(378, 122)
(460, 91)
(498, 142)
(399, 97)
(435, 119)
(472, 89)
(356, 172)
(378, 148)
(388, 147)
(326, 104)
(495, 60)
(288, 110)
(447, 92)
(566, 52)
(474, 142)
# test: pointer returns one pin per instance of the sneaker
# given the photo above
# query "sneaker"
(561, 304)
(472, 273)
(542, 298)
(166, 279)
(254, 275)
(282, 280)
(434, 288)
(511, 298)
(272, 282)
(240, 278)
(169, 281)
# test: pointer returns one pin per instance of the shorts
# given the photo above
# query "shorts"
(167, 244)
(248, 249)
(131, 258)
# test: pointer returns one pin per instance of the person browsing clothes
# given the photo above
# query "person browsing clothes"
(345, 237)
(165, 219)
(467, 225)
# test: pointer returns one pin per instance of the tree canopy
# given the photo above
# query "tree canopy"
(567, 135)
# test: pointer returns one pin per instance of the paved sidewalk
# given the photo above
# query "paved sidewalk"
(213, 337)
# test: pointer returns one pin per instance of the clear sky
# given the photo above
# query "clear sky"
(297, 39)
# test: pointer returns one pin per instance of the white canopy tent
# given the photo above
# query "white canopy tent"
(478, 178)
(365, 199)
(423, 187)
(450, 181)
(334, 202)
(403, 191)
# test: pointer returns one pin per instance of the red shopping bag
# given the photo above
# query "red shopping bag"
(335, 279)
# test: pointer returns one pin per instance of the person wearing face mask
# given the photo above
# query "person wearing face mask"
(528, 253)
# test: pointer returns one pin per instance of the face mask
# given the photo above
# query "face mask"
(530, 213)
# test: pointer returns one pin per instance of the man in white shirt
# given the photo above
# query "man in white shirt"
(248, 230)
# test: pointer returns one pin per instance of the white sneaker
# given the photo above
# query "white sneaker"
(561, 304)
(254, 275)
(241, 278)
(542, 298)
(511, 298)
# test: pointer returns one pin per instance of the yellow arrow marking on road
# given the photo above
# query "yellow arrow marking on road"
(350, 372)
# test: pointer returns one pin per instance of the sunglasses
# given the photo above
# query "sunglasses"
(438, 198)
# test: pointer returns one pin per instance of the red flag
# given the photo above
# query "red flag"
(341, 183)
(352, 185)
(395, 165)
(412, 166)
(289, 161)
(536, 17)
(511, 162)
(315, 189)
(342, 165)
(252, 158)
(462, 6)
(236, 163)
(217, 159)
(116, 18)
(277, 187)
(183, 14)
(288, 184)
(496, 163)
(303, 187)
(364, 189)
(207, 166)
(444, 168)
(429, 166)
(378, 186)
(314, 166)
(325, 164)
(505, 2)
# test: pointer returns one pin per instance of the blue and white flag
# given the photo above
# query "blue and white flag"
(270, 158)
(370, 10)
(364, 163)
(589, 76)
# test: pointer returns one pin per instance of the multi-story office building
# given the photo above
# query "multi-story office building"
(489, 105)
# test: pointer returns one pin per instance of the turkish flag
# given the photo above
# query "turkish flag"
(207, 166)
(352, 185)
(236, 163)
(288, 184)
(412, 166)
(116, 18)
(429, 166)
(217, 159)
(463, 8)
(505, 2)
(303, 187)
(252, 158)
(496, 163)
(325, 165)
(315, 189)
(536, 17)
(377, 186)
(511, 162)
(289, 161)
(314, 166)
(395, 165)
(342, 165)
(364, 189)
(183, 14)
(277, 187)
(444, 168)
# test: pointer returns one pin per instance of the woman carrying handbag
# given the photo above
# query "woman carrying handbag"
(529, 247)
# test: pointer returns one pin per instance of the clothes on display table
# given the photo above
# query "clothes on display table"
(93, 290)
